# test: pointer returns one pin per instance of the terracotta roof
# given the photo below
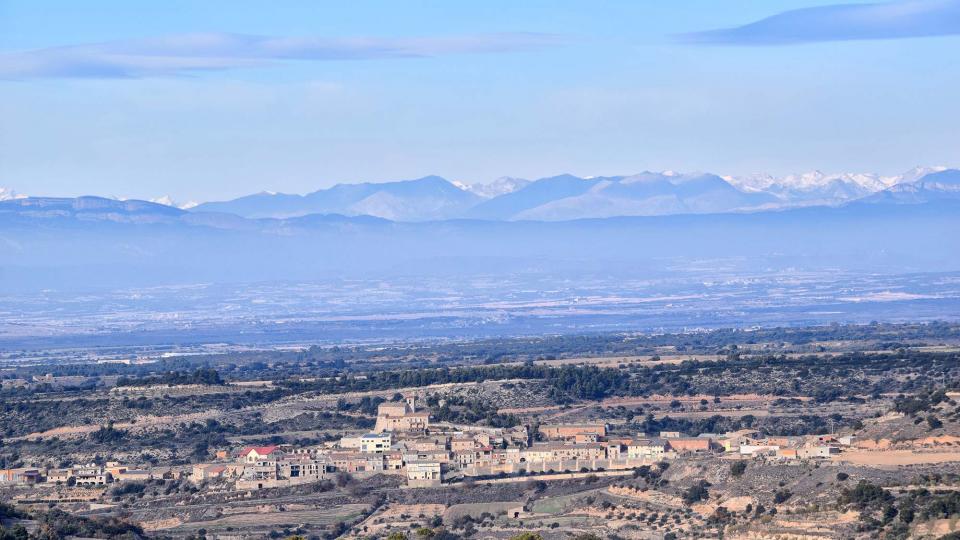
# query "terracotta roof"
(261, 450)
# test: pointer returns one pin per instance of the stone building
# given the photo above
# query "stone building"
(401, 416)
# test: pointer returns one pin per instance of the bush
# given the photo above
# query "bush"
(737, 469)
(697, 492)
(865, 495)
(527, 536)
(781, 496)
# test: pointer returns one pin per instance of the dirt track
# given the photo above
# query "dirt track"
(895, 458)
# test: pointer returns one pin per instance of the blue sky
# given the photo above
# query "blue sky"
(216, 99)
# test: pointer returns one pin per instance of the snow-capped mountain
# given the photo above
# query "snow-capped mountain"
(646, 194)
(817, 187)
(166, 200)
(567, 197)
(500, 186)
(7, 194)
(919, 172)
(933, 187)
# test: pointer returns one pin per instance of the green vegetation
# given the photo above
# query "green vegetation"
(56, 524)
(696, 493)
(460, 410)
(782, 496)
(527, 536)
(204, 376)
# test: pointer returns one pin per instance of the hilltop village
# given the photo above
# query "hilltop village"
(404, 442)
(810, 442)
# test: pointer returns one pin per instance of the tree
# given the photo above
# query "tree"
(696, 493)
(343, 478)
(527, 536)
(397, 535)
(781, 496)
(17, 532)
(737, 469)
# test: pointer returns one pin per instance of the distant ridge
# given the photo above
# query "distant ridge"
(566, 197)
(422, 199)
(937, 186)
(93, 242)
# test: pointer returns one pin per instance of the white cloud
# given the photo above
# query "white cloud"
(185, 53)
(842, 22)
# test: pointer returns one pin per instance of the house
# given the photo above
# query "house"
(464, 458)
(133, 475)
(262, 470)
(302, 466)
(569, 431)
(207, 471)
(690, 444)
(787, 453)
(423, 474)
(758, 449)
(254, 454)
(584, 438)
(440, 455)
(376, 443)
(356, 462)
(615, 449)
(393, 461)
(790, 442)
(669, 434)
(461, 444)
(538, 452)
(59, 476)
(93, 476)
(646, 449)
(20, 476)
(817, 452)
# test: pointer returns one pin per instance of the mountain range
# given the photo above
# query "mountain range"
(644, 225)
(566, 197)
(89, 242)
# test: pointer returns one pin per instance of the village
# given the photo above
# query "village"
(404, 442)
(485, 452)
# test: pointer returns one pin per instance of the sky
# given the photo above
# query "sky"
(217, 99)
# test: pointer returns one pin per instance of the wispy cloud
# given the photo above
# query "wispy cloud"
(186, 53)
(842, 22)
